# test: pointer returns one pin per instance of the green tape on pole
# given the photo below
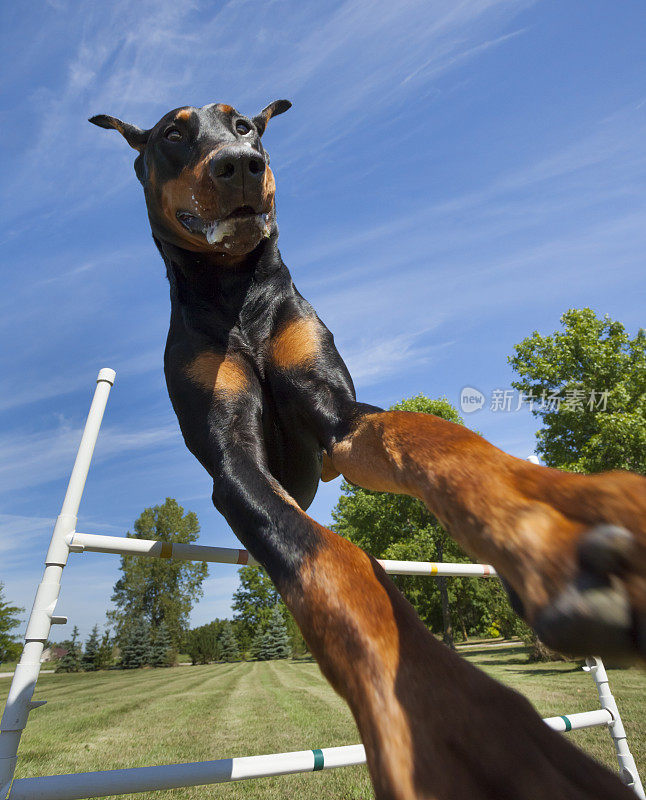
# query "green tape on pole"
(318, 760)
(568, 724)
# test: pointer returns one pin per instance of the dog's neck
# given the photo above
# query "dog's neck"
(207, 290)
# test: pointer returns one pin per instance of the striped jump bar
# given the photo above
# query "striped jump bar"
(92, 543)
(82, 785)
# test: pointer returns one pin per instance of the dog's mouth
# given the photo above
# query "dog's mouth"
(217, 230)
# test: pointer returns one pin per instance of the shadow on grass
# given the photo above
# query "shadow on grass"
(495, 662)
(496, 653)
(532, 670)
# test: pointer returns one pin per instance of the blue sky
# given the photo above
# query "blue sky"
(452, 176)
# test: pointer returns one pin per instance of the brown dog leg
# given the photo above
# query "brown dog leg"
(572, 547)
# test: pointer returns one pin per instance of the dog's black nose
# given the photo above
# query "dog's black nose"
(237, 166)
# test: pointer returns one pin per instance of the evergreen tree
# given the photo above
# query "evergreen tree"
(104, 656)
(89, 661)
(160, 651)
(202, 643)
(253, 602)
(260, 645)
(228, 644)
(72, 660)
(277, 636)
(159, 589)
(9, 647)
(135, 652)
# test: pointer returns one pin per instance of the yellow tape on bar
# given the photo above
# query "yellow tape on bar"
(433, 569)
(166, 550)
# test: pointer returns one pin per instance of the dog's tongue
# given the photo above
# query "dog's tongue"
(217, 230)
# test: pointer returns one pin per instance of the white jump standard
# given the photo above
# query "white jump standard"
(76, 786)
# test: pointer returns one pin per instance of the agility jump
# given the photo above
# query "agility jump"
(268, 407)
(66, 540)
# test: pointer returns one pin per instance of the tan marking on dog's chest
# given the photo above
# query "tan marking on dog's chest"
(296, 343)
(218, 373)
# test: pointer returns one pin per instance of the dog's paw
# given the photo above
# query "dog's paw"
(593, 613)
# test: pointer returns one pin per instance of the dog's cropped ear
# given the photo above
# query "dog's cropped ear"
(272, 110)
(136, 137)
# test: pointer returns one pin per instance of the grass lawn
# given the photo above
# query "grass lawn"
(115, 719)
(9, 666)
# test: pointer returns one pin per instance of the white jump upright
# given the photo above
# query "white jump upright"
(42, 617)
(627, 766)
(77, 786)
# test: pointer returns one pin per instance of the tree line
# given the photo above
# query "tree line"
(153, 598)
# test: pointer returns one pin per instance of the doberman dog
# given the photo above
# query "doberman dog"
(266, 404)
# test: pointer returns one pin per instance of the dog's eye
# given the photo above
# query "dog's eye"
(243, 127)
(173, 135)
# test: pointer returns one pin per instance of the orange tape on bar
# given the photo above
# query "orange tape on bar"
(166, 550)
(243, 557)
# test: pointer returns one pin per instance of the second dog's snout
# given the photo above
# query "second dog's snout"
(237, 166)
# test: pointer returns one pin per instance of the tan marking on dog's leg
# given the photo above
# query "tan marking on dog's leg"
(218, 373)
(328, 470)
(296, 344)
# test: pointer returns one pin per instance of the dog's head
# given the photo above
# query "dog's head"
(206, 176)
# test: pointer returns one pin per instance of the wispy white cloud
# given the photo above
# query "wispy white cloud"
(31, 459)
(373, 361)
(138, 60)
(17, 532)
(21, 390)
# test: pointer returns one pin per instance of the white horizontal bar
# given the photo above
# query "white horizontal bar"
(82, 785)
(174, 776)
(583, 719)
(80, 542)
(439, 568)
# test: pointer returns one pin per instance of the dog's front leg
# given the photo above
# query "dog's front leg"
(572, 548)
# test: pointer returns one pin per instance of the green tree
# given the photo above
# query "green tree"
(297, 644)
(277, 636)
(9, 647)
(401, 528)
(260, 645)
(72, 660)
(159, 589)
(253, 602)
(89, 660)
(161, 648)
(202, 643)
(136, 650)
(599, 374)
(228, 644)
(104, 656)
